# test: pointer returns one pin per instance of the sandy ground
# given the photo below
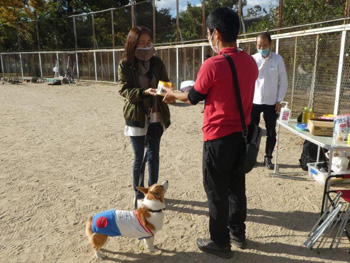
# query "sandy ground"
(63, 157)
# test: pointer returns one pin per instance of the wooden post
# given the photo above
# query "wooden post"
(204, 31)
(346, 10)
(93, 30)
(154, 20)
(113, 36)
(177, 21)
(294, 71)
(75, 34)
(132, 15)
(37, 34)
(280, 5)
(347, 6)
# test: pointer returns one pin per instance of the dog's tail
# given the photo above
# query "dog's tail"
(88, 230)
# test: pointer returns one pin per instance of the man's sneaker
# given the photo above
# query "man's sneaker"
(238, 241)
(208, 246)
(268, 164)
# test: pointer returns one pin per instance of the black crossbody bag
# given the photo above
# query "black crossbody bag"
(252, 134)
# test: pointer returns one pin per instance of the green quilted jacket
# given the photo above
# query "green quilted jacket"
(136, 102)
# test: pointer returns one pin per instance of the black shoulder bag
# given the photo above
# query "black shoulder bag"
(252, 135)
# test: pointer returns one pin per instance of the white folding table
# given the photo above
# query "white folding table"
(320, 141)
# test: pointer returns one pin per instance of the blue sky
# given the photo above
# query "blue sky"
(183, 4)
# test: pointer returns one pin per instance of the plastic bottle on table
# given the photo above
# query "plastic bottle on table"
(285, 112)
(305, 117)
(311, 114)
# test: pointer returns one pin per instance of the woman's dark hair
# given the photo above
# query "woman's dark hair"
(131, 43)
(226, 21)
(265, 35)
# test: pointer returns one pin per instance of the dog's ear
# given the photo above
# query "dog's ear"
(142, 189)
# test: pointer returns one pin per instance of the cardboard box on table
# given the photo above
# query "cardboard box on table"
(320, 127)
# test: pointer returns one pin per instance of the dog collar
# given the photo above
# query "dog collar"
(155, 211)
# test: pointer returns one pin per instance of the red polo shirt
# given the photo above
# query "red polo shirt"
(221, 114)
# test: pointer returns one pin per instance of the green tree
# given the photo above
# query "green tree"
(295, 12)
(191, 19)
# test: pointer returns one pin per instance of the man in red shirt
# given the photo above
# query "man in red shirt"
(224, 147)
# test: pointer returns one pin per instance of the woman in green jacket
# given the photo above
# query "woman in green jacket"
(145, 113)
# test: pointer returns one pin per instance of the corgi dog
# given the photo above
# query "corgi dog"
(142, 223)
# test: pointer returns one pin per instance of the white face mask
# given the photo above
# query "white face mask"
(216, 48)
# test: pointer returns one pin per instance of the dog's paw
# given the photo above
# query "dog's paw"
(99, 255)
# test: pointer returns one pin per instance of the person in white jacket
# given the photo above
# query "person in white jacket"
(270, 88)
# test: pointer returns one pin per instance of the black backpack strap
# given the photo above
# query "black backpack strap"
(238, 96)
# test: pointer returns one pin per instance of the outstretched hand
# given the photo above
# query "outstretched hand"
(169, 96)
(150, 91)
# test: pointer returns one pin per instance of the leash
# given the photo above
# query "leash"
(142, 169)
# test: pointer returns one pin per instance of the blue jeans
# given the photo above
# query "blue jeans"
(152, 157)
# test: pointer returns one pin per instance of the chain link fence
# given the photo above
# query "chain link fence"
(317, 60)
(169, 23)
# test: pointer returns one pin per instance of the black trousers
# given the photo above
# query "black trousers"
(270, 117)
(224, 185)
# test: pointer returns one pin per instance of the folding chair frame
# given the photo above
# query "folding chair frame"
(327, 198)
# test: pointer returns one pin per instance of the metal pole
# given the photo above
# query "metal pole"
(58, 63)
(154, 20)
(340, 73)
(277, 45)
(93, 30)
(95, 64)
(193, 59)
(275, 170)
(2, 67)
(75, 34)
(20, 61)
(169, 65)
(185, 62)
(203, 20)
(77, 63)
(202, 54)
(113, 36)
(40, 66)
(114, 68)
(177, 68)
